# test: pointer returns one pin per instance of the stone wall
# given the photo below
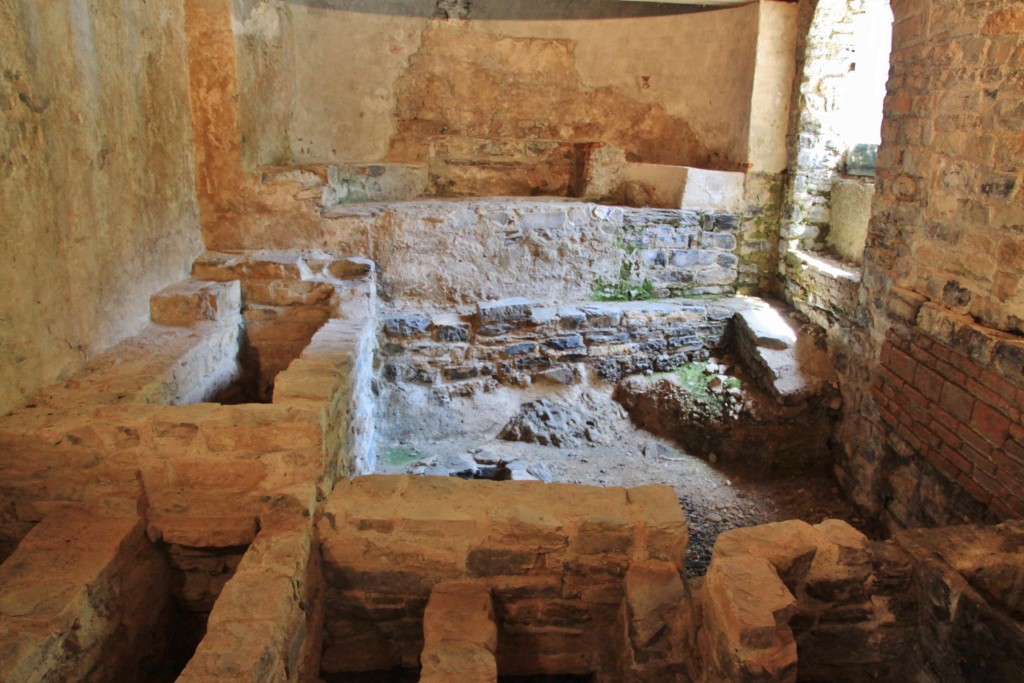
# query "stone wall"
(97, 194)
(941, 297)
(87, 598)
(207, 470)
(513, 342)
(553, 557)
(950, 394)
(827, 48)
(266, 623)
(549, 77)
(547, 250)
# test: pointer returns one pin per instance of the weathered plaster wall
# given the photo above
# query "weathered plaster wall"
(263, 41)
(650, 79)
(97, 200)
(772, 89)
(940, 439)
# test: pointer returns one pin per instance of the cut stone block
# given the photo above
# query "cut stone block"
(766, 327)
(250, 265)
(505, 310)
(682, 187)
(406, 325)
(749, 609)
(353, 267)
(184, 303)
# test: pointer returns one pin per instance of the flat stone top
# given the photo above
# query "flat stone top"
(55, 564)
(444, 499)
(429, 205)
(718, 308)
(768, 327)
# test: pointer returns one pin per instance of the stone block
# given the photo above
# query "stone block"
(504, 310)
(387, 182)
(654, 594)
(460, 611)
(718, 240)
(750, 626)
(349, 268)
(789, 546)
(765, 327)
(456, 662)
(406, 325)
(682, 187)
(565, 343)
(450, 329)
(191, 301)
(603, 316)
(287, 292)
(570, 318)
(249, 265)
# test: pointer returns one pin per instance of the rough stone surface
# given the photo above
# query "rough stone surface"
(459, 635)
(616, 339)
(187, 302)
(549, 423)
(851, 212)
(550, 78)
(553, 557)
(85, 597)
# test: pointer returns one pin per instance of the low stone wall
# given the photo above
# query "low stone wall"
(286, 297)
(200, 480)
(554, 558)
(512, 341)
(266, 625)
(824, 290)
(207, 470)
(459, 634)
(86, 598)
(549, 250)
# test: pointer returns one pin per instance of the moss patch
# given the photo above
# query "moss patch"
(401, 455)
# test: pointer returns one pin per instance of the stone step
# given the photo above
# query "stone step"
(783, 361)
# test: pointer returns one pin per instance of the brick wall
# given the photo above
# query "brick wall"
(957, 414)
(937, 438)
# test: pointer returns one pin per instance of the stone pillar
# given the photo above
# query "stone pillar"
(459, 635)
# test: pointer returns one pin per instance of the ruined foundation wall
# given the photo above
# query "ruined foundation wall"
(942, 275)
(96, 184)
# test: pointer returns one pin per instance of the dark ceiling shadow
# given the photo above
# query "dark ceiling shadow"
(505, 10)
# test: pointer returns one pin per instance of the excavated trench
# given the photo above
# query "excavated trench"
(736, 454)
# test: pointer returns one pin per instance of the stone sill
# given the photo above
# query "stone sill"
(824, 265)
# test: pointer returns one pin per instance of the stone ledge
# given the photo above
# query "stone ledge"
(191, 301)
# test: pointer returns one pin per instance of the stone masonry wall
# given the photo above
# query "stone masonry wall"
(941, 296)
(97, 195)
(514, 342)
(554, 558)
(825, 51)
(551, 251)
(86, 598)
(950, 392)
(207, 470)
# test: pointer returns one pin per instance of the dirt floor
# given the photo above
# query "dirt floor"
(598, 446)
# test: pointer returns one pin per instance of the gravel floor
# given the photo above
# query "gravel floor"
(615, 453)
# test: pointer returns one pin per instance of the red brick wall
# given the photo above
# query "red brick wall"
(963, 418)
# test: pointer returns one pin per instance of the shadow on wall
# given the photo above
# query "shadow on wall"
(491, 10)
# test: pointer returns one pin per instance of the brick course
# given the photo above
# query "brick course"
(965, 428)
